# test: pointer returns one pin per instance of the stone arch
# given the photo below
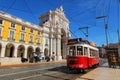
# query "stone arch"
(37, 50)
(0, 49)
(46, 52)
(20, 51)
(30, 51)
(9, 51)
(63, 43)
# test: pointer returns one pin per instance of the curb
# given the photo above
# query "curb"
(31, 64)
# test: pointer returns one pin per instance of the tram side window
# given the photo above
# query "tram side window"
(93, 53)
(96, 54)
(79, 50)
(72, 51)
(85, 51)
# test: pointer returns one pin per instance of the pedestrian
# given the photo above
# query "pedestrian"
(23, 59)
(35, 56)
(47, 58)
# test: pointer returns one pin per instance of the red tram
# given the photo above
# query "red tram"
(82, 54)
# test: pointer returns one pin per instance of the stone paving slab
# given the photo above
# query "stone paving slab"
(102, 73)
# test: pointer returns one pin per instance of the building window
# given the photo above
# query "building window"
(38, 32)
(31, 30)
(31, 38)
(38, 40)
(22, 36)
(23, 28)
(12, 25)
(11, 35)
(1, 21)
(46, 42)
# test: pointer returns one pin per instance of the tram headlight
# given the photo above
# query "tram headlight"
(81, 65)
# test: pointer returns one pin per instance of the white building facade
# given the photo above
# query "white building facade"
(56, 32)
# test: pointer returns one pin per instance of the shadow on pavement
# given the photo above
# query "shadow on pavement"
(64, 69)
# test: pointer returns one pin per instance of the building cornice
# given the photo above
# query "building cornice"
(19, 21)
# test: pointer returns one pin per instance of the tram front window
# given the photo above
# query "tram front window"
(79, 50)
(72, 51)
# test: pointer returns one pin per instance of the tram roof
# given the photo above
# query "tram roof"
(80, 41)
(85, 45)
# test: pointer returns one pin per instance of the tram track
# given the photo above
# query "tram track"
(46, 72)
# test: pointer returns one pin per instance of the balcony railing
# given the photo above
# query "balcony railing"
(30, 42)
(11, 39)
(46, 44)
(38, 43)
(22, 41)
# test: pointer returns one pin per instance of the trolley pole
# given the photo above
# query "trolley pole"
(85, 33)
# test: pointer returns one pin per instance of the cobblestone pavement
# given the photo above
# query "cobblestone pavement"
(102, 73)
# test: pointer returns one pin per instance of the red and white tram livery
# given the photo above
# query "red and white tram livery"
(82, 54)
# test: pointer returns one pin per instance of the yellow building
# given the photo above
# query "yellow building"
(18, 37)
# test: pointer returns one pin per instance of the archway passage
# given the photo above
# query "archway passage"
(9, 52)
(37, 50)
(63, 43)
(30, 54)
(20, 51)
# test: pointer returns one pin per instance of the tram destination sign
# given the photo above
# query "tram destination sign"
(74, 41)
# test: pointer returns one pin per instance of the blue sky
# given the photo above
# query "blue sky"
(81, 13)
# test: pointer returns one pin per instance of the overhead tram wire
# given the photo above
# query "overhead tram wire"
(72, 33)
(94, 7)
(55, 6)
(107, 15)
(19, 9)
(15, 9)
(109, 7)
(70, 16)
(106, 26)
(84, 12)
(11, 5)
(29, 9)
